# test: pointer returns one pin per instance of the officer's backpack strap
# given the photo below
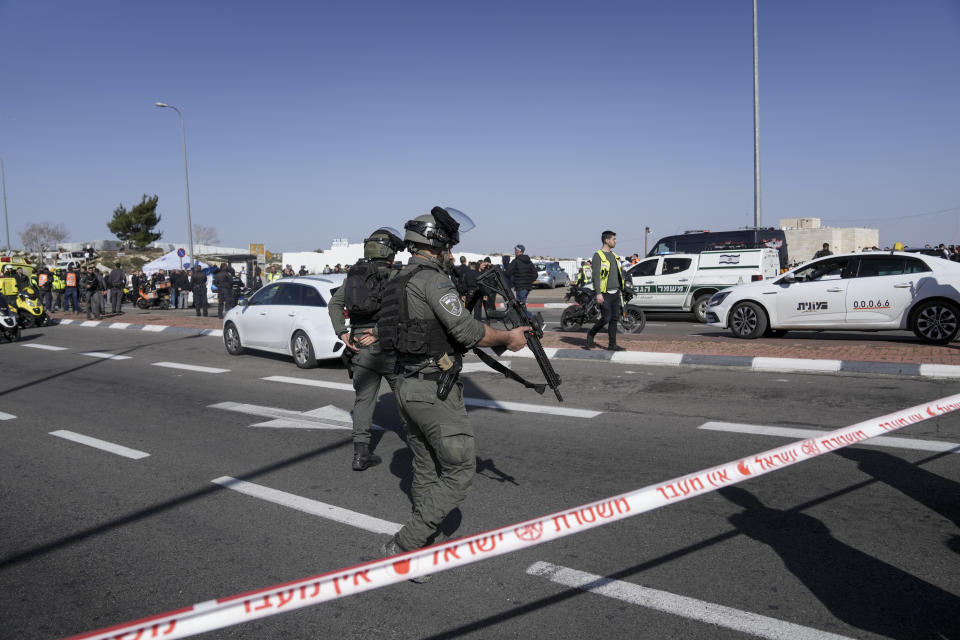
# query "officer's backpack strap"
(494, 364)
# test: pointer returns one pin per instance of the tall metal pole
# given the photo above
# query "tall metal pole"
(757, 208)
(6, 213)
(186, 177)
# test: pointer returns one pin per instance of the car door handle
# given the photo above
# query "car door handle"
(903, 285)
(769, 293)
(649, 282)
(683, 280)
(834, 290)
(291, 314)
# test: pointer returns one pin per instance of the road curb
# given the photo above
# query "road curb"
(755, 363)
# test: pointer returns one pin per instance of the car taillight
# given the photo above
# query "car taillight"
(754, 278)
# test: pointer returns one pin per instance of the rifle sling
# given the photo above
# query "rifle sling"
(494, 364)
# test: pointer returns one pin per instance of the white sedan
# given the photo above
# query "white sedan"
(857, 291)
(288, 316)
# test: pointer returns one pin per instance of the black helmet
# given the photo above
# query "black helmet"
(440, 228)
(382, 244)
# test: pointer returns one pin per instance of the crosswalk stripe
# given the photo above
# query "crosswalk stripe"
(105, 356)
(103, 445)
(189, 367)
(683, 606)
(470, 402)
(313, 507)
(879, 441)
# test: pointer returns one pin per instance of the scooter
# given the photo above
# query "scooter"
(585, 310)
(29, 310)
(8, 324)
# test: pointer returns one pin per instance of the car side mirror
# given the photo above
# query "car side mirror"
(788, 278)
(244, 302)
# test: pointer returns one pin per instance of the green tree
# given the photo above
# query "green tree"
(135, 227)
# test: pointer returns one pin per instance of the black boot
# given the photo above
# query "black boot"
(362, 458)
(590, 342)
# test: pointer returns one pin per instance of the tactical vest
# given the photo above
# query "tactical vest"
(363, 292)
(404, 335)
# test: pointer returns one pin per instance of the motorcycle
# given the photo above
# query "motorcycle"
(8, 324)
(29, 310)
(154, 297)
(585, 310)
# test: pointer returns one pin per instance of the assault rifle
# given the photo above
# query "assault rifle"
(515, 315)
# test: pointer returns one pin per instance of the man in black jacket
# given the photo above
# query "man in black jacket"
(198, 284)
(522, 273)
(224, 282)
(117, 279)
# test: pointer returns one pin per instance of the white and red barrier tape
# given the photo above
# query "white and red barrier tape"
(223, 612)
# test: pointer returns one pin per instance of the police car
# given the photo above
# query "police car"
(857, 291)
(288, 316)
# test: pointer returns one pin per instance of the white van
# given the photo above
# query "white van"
(685, 281)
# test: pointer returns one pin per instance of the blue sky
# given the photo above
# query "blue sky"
(547, 122)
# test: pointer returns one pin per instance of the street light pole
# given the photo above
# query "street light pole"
(757, 209)
(6, 213)
(186, 177)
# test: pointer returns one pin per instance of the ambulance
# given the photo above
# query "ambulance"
(685, 281)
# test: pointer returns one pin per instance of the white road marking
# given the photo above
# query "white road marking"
(119, 325)
(65, 321)
(310, 383)
(48, 347)
(313, 507)
(328, 417)
(154, 327)
(470, 402)
(90, 323)
(481, 367)
(6, 416)
(105, 356)
(101, 444)
(189, 367)
(691, 608)
(879, 441)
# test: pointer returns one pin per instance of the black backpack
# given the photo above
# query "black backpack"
(363, 290)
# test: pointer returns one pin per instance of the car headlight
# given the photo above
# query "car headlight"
(717, 298)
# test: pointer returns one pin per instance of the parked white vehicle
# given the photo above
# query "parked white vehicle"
(856, 291)
(685, 281)
(288, 316)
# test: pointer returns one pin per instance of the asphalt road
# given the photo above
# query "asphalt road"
(862, 543)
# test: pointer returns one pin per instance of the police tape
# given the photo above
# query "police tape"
(224, 612)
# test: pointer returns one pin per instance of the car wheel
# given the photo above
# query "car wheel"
(748, 320)
(774, 333)
(700, 307)
(936, 321)
(302, 350)
(571, 318)
(231, 339)
(634, 320)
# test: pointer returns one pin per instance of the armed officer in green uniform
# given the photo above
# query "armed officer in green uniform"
(424, 322)
(361, 296)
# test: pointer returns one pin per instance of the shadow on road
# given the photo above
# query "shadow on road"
(857, 588)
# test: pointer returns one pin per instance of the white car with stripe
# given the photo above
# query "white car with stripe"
(876, 291)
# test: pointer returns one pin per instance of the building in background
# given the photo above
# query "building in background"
(805, 237)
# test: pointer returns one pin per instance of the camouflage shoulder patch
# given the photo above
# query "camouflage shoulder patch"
(451, 302)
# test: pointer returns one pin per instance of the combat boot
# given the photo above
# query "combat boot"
(362, 458)
(392, 548)
(591, 343)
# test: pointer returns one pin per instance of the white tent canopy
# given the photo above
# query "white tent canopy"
(170, 261)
